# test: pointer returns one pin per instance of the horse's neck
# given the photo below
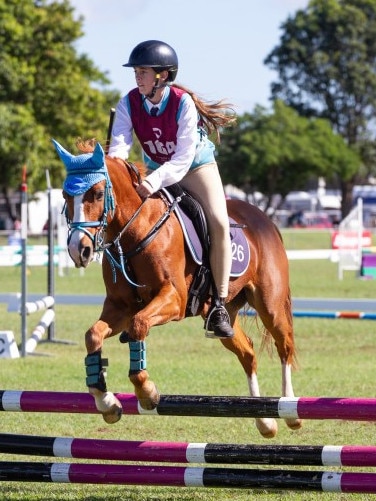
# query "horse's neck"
(127, 202)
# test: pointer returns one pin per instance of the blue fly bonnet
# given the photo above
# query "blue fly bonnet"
(84, 171)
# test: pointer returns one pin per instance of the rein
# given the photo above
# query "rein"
(124, 256)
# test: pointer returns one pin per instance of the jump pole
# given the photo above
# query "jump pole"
(185, 452)
(179, 476)
(48, 323)
(350, 409)
(349, 315)
(44, 323)
(24, 260)
(51, 264)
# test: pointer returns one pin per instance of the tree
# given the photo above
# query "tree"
(279, 151)
(46, 90)
(326, 63)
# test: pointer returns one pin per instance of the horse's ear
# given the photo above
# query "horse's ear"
(64, 155)
(98, 156)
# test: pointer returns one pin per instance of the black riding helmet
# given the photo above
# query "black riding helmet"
(157, 55)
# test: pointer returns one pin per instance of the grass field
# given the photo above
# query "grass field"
(336, 358)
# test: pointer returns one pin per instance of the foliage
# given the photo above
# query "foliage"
(278, 151)
(46, 89)
(326, 68)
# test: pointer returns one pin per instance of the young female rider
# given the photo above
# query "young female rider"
(172, 125)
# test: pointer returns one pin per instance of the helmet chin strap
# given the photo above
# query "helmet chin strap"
(156, 86)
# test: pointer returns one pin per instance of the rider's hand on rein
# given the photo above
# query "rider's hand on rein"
(144, 189)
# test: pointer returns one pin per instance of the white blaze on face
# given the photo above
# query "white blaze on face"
(78, 216)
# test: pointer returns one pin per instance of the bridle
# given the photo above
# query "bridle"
(98, 237)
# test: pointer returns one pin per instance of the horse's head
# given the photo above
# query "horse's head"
(89, 199)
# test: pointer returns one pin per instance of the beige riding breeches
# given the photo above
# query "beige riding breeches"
(204, 183)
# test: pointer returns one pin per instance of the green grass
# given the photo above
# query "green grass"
(336, 358)
(298, 239)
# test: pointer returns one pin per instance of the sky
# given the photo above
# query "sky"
(221, 44)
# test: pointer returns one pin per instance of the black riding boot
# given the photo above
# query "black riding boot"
(218, 321)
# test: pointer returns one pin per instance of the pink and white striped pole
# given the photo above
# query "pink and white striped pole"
(179, 476)
(351, 409)
(185, 452)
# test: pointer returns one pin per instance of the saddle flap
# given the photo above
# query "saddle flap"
(197, 247)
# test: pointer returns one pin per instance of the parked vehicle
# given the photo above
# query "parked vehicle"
(310, 220)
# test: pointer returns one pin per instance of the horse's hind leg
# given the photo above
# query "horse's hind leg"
(242, 347)
(276, 315)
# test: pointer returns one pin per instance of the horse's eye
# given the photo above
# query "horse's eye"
(99, 195)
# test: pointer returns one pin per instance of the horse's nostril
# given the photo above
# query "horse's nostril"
(86, 252)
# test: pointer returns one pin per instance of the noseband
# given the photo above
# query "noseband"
(97, 238)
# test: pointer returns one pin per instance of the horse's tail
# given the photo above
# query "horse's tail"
(289, 313)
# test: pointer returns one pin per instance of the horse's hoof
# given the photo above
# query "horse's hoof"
(149, 403)
(107, 404)
(267, 427)
(270, 434)
(113, 415)
(294, 424)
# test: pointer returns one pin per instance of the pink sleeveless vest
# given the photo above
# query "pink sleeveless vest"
(157, 135)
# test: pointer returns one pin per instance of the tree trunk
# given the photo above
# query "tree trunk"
(8, 205)
(347, 197)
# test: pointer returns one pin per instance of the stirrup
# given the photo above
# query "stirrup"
(210, 332)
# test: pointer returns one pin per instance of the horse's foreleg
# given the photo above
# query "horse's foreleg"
(163, 308)
(145, 390)
(106, 402)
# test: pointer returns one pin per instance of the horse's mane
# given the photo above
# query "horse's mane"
(88, 145)
(214, 115)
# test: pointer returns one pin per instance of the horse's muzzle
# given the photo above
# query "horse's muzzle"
(81, 254)
(86, 255)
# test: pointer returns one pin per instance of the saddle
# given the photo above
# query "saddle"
(194, 226)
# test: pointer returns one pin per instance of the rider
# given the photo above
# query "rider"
(172, 125)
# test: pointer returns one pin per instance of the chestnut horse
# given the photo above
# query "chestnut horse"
(147, 271)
